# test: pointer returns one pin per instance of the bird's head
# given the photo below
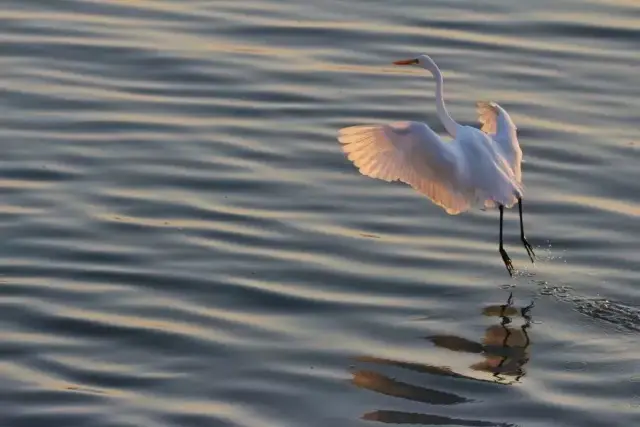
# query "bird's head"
(422, 61)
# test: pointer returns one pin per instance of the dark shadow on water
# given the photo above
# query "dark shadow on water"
(504, 350)
(385, 385)
(396, 417)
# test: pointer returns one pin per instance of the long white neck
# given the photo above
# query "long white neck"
(449, 124)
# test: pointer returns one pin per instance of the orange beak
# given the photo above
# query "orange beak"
(406, 62)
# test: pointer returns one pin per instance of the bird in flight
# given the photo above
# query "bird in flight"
(477, 168)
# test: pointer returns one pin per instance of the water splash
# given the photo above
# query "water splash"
(623, 316)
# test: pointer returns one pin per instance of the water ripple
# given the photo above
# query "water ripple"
(185, 244)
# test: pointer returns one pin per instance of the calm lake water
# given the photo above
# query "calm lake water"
(184, 244)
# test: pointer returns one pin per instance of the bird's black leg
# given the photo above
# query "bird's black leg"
(526, 244)
(503, 253)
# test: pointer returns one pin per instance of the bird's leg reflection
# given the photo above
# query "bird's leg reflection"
(505, 346)
(526, 244)
(509, 300)
(524, 328)
(526, 311)
(503, 253)
(522, 358)
(504, 310)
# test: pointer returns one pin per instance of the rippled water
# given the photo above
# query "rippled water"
(184, 244)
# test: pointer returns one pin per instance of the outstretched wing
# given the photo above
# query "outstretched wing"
(495, 119)
(412, 153)
(498, 124)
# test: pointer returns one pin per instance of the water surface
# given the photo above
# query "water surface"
(184, 244)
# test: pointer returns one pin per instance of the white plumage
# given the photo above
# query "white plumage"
(478, 168)
(470, 171)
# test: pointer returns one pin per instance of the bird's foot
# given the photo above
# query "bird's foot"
(507, 261)
(529, 248)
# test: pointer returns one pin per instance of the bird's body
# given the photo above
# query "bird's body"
(477, 168)
(472, 170)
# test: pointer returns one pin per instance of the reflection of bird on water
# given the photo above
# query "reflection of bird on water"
(479, 167)
(398, 417)
(391, 387)
(505, 348)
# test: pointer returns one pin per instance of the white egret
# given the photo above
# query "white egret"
(478, 168)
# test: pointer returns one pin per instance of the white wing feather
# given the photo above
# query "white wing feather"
(412, 153)
(495, 119)
(497, 123)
